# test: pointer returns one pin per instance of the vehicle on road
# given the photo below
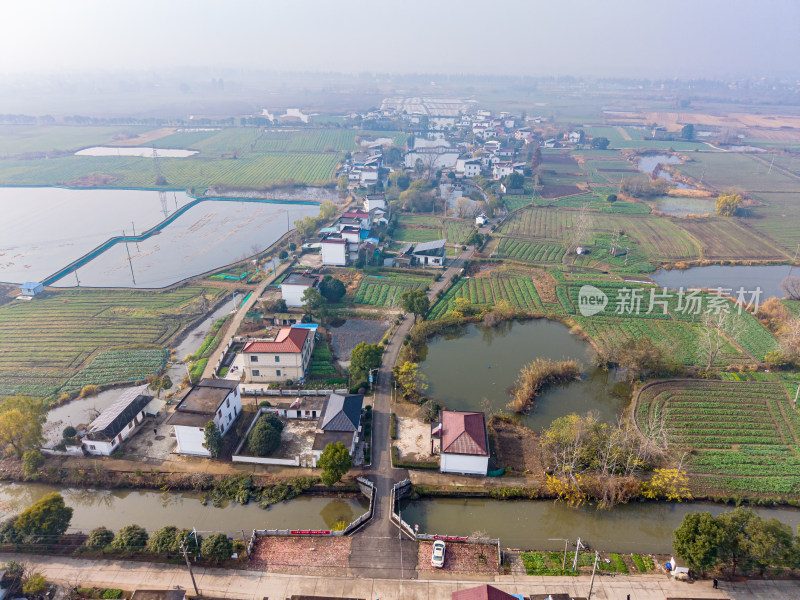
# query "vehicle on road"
(437, 558)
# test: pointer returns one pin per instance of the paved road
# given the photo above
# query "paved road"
(256, 585)
(378, 550)
(233, 326)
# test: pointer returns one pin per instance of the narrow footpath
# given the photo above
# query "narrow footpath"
(378, 550)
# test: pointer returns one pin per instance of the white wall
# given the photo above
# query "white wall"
(292, 293)
(227, 412)
(463, 463)
(191, 440)
(106, 448)
(334, 254)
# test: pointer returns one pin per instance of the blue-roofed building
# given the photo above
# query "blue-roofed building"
(31, 288)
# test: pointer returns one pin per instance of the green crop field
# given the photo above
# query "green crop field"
(250, 171)
(23, 139)
(519, 291)
(117, 366)
(46, 342)
(743, 435)
(523, 250)
(385, 291)
(417, 235)
(187, 139)
(457, 230)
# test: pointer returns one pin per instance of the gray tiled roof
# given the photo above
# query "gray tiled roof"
(342, 413)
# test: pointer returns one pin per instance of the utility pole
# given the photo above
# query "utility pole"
(577, 550)
(76, 277)
(130, 260)
(185, 553)
(594, 568)
(133, 226)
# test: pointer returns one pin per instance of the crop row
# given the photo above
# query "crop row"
(117, 366)
(519, 292)
(530, 251)
(386, 292)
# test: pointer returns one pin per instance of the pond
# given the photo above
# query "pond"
(766, 277)
(636, 527)
(152, 510)
(209, 235)
(680, 206)
(135, 151)
(473, 362)
(648, 162)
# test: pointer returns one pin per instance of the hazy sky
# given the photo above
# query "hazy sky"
(582, 37)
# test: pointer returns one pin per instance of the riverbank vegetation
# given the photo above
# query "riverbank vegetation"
(537, 376)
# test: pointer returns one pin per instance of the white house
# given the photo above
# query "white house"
(31, 288)
(286, 356)
(351, 234)
(116, 423)
(216, 400)
(430, 253)
(369, 175)
(372, 201)
(469, 167)
(295, 285)
(501, 169)
(340, 422)
(334, 250)
(574, 137)
(358, 218)
(480, 220)
(464, 443)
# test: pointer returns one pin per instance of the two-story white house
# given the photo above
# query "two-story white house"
(372, 201)
(469, 167)
(295, 285)
(501, 169)
(217, 400)
(287, 356)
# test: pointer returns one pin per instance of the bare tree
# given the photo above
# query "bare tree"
(791, 285)
(430, 162)
(465, 208)
(714, 334)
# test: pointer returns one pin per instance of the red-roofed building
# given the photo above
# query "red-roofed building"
(464, 443)
(286, 356)
(482, 592)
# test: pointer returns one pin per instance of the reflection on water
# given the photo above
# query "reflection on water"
(637, 527)
(467, 364)
(153, 510)
(766, 277)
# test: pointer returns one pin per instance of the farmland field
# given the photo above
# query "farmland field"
(46, 342)
(385, 291)
(707, 417)
(22, 139)
(457, 230)
(117, 366)
(518, 290)
(420, 234)
(517, 249)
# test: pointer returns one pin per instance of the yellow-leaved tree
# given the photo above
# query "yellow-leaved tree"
(728, 205)
(667, 484)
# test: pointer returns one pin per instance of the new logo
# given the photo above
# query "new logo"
(591, 300)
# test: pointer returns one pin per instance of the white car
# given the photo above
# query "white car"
(437, 558)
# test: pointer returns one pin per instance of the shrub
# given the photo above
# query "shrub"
(89, 390)
(618, 563)
(283, 255)
(111, 594)
(265, 437)
(393, 426)
(36, 584)
(32, 461)
(99, 538)
(217, 547)
(69, 432)
(130, 537)
(165, 540)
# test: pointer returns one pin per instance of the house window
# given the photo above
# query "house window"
(253, 359)
(130, 425)
(256, 372)
(278, 372)
(221, 428)
(219, 413)
(277, 359)
(91, 447)
(227, 401)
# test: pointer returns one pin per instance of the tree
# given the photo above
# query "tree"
(216, 548)
(791, 286)
(327, 210)
(46, 520)
(32, 461)
(728, 205)
(265, 437)
(514, 181)
(640, 357)
(335, 461)
(697, 540)
(416, 302)
(21, 421)
(715, 331)
(165, 541)
(410, 382)
(130, 537)
(364, 358)
(99, 538)
(332, 289)
(160, 382)
(342, 183)
(313, 301)
(400, 180)
(687, 132)
(600, 143)
(213, 439)
(611, 198)
(670, 484)
(537, 158)
(36, 584)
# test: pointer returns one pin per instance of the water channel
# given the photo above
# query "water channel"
(473, 362)
(152, 510)
(766, 277)
(144, 152)
(638, 527)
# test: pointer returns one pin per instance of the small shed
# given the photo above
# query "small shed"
(31, 288)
